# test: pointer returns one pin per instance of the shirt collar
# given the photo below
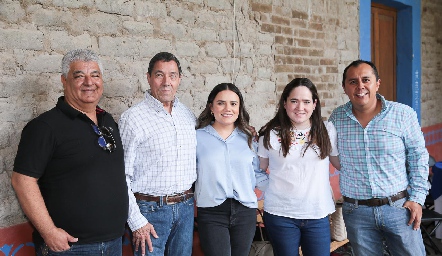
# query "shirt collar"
(156, 104)
(385, 103)
(72, 112)
(209, 129)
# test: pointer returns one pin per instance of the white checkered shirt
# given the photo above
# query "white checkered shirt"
(159, 151)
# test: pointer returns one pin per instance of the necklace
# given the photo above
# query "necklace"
(299, 137)
(79, 110)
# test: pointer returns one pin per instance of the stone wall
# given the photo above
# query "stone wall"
(431, 25)
(258, 44)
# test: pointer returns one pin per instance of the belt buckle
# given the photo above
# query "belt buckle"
(167, 200)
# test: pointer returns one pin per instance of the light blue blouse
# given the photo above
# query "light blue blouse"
(226, 169)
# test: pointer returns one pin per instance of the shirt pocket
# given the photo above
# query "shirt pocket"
(386, 141)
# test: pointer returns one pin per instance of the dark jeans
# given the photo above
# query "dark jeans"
(108, 248)
(287, 234)
(226, 229)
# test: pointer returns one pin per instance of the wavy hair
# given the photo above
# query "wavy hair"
(282, 124)
(84, 55)
(242, 123)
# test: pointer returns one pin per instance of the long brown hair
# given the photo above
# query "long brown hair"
(282, 124)
(242, 123)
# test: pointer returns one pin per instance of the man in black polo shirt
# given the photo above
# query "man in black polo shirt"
(69, 169)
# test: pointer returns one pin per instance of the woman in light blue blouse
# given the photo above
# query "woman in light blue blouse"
(228, 171)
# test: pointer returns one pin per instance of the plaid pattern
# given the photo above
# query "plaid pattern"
(159, 151)
(386, 157)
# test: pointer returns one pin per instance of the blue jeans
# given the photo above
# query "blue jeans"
(367, 228)
(226, 229)
(287, 234)
(174, 226)
(108, 248)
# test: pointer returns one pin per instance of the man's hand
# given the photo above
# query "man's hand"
(416, 213)
(58, 240)
(142, 235)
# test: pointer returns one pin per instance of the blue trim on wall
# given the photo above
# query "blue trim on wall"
(408, 47)
(365, 32)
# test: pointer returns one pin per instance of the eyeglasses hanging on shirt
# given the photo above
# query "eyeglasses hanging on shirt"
(105, 139)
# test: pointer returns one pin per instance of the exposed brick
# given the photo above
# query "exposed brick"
(271, 28)
(259, 54)
(302, 69)
(332, 70)
(294, 60)
(317, 53)
(320, 35)
(327, 62)
(306, 33)
(287, 30)
(298, 23)
(279, 39)
(280, 59)
(311, 62)
(303, 43)
(299, 51)
(283, 68)
(280, 20)
(267, 28)
(257, 7)
(282, 11)
(279, 49)
(319, 44)
(299, 15)
(316, 26)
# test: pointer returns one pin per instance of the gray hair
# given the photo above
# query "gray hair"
(79, 55)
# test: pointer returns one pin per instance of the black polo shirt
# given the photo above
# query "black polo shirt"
(83, 186)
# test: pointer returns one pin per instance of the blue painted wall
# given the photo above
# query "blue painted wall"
(408, 48)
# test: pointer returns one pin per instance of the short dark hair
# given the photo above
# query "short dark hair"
(357, 63)
(166, 57)
(242, 123)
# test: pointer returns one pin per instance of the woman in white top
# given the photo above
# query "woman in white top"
(295, 146)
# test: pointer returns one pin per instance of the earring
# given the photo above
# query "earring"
(211, 113)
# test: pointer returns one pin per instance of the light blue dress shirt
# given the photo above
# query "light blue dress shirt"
(226, 169)
(385, 157)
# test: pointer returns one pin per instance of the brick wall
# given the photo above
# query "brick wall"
(431, 25)
(312, 40)
(259, 45)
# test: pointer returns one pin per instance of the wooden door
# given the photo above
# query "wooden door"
(383, 47)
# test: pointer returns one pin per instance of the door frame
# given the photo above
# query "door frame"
(408, 47)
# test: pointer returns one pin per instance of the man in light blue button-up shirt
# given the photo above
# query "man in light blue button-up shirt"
(384, 166)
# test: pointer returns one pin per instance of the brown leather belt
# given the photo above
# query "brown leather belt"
(377, 201)
(167, 199)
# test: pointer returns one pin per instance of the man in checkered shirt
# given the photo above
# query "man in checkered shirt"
(159, 141)
(384, 167)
